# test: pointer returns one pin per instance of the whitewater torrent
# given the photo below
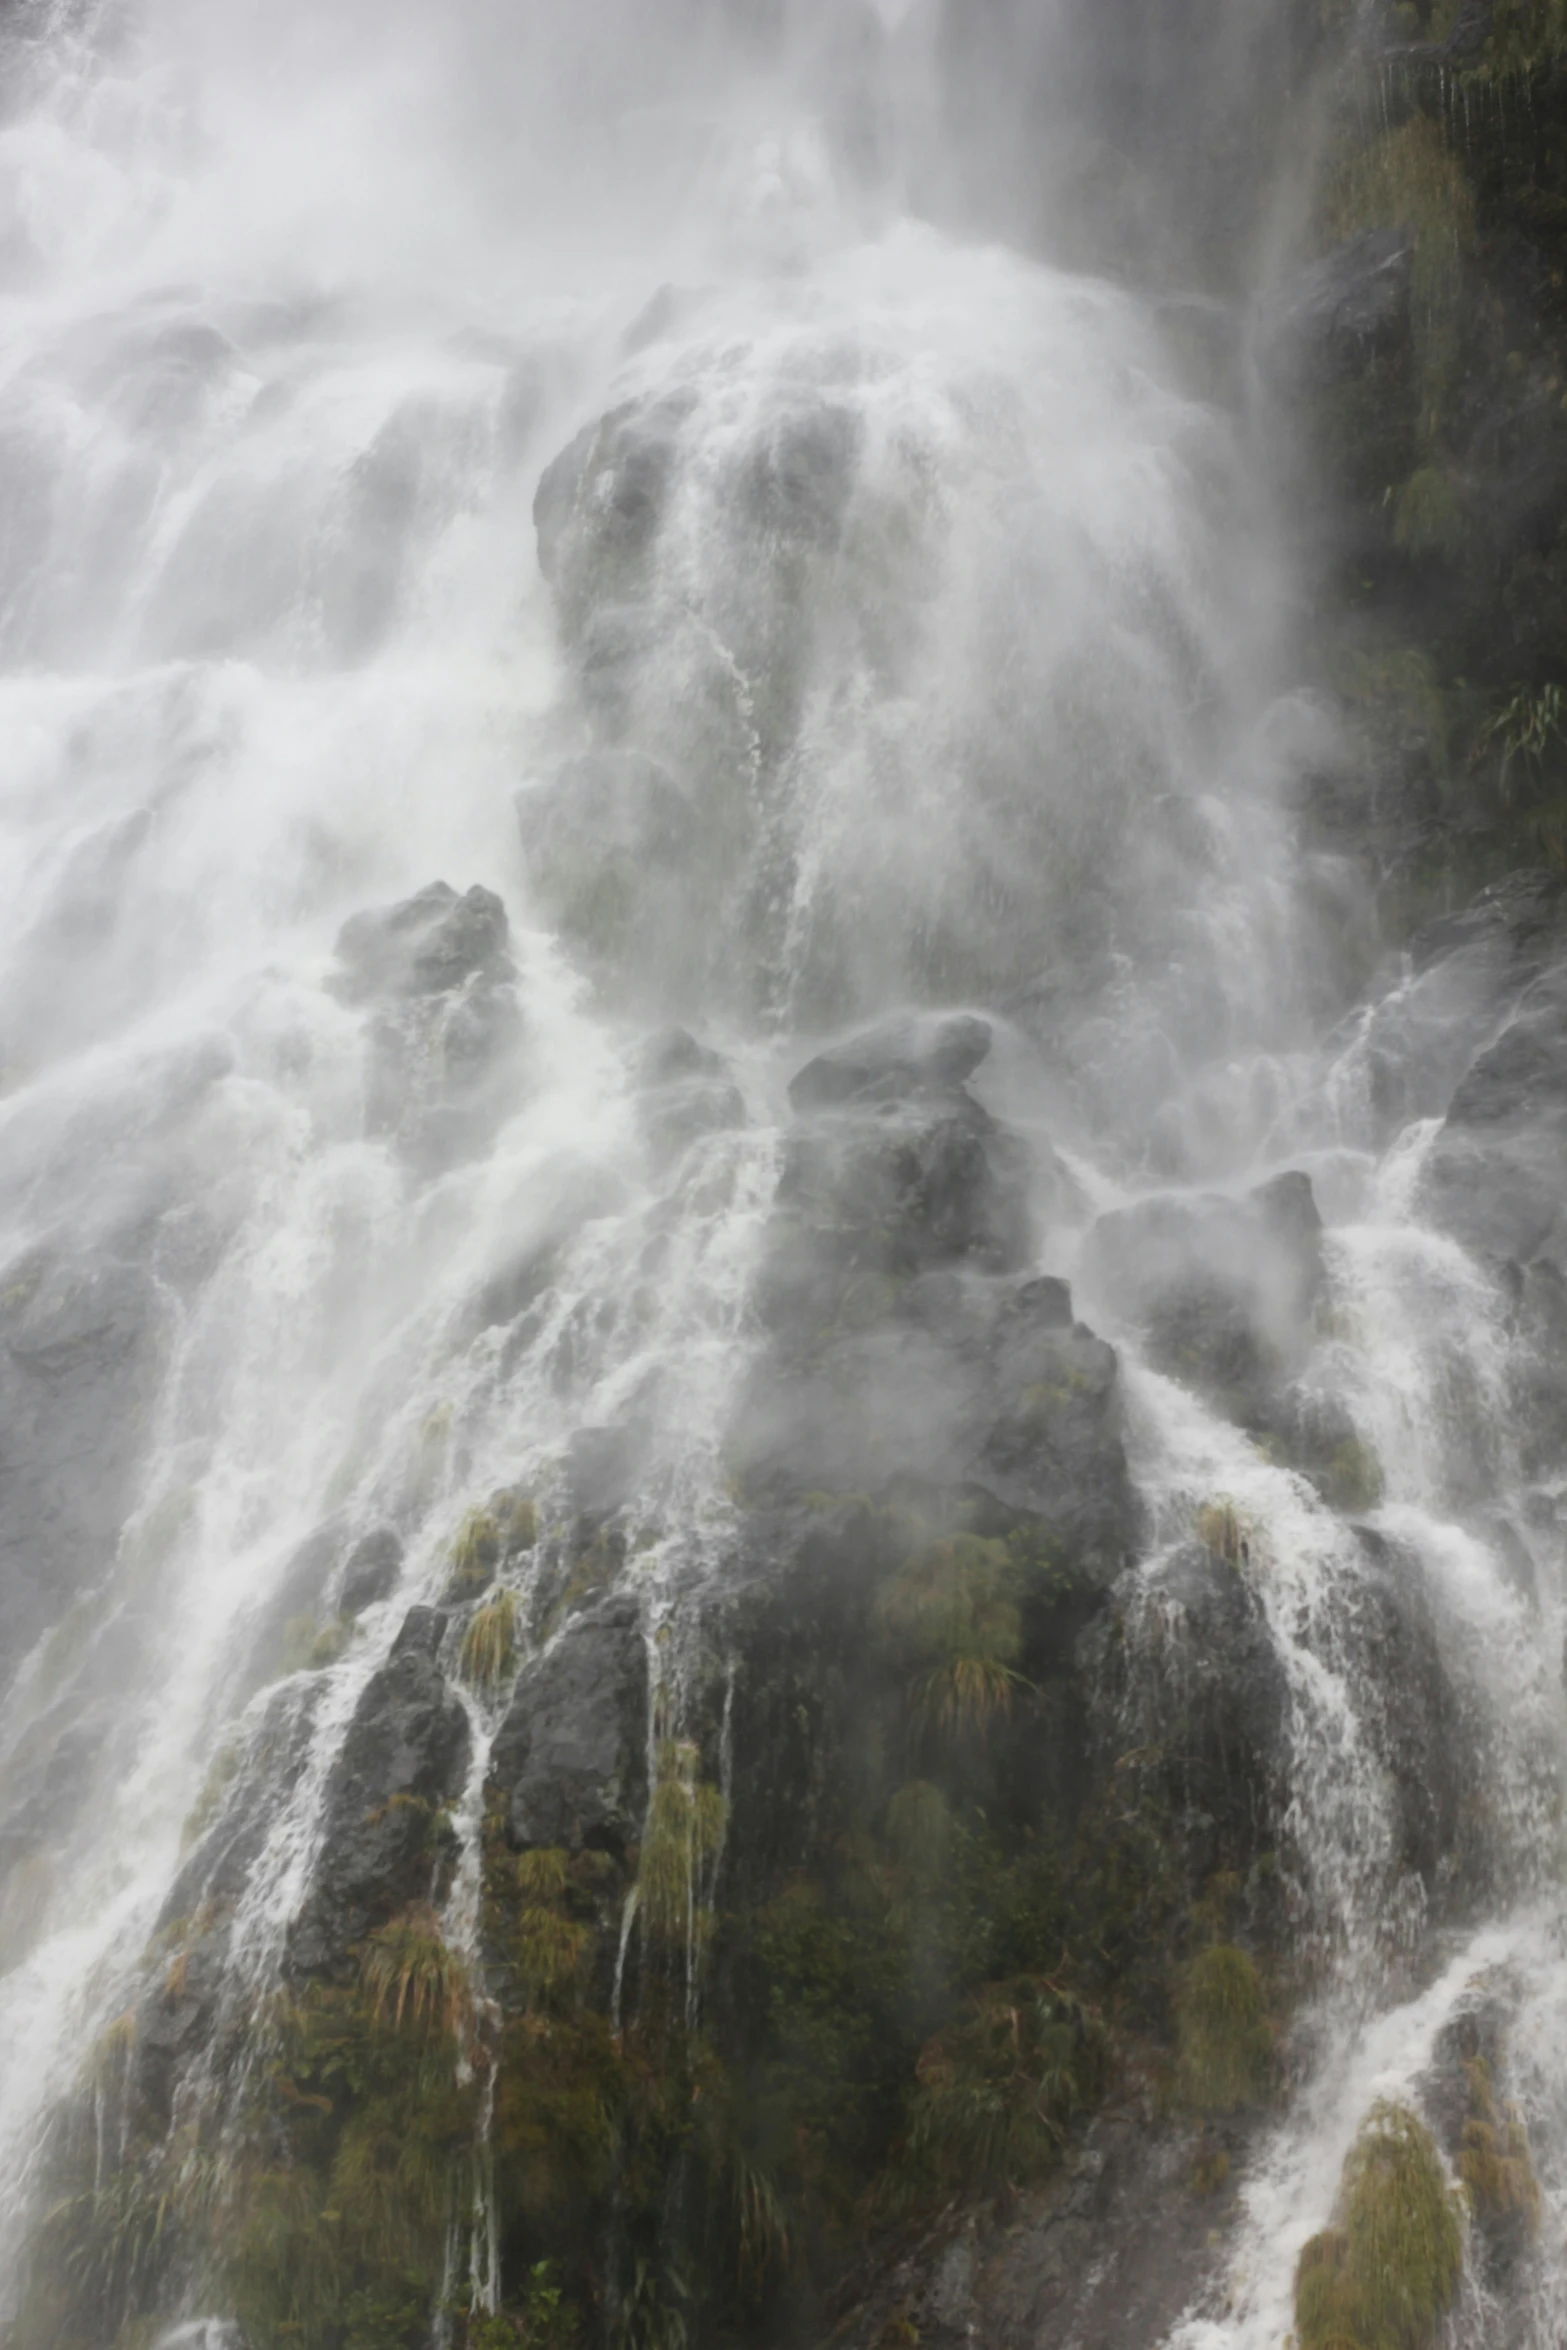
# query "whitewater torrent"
(288, 334)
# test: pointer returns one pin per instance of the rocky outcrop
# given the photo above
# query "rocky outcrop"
(444, 1029)
(570, 1759)
(1223, 1289)
(384, 1839)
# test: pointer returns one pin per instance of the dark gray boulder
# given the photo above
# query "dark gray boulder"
(910, 1053)
(570, 1759)
(384, 1841)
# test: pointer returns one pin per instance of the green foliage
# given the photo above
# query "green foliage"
(96, 2262)
(1224, 2041)
(1352, 1480)
(492, 1644)
(356, 2152)
(1497, 2168)
(1428, 514)
(952, 1616)
(1523, 735)
(996, 2091)
(487, 1538)
(309, 1646)
(413, 1978)
(543, 2319)
(1409, 178)
(1386, 2273)
(1222, 1529)
(683, 1838)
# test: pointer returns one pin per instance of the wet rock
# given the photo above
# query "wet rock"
(425, 945)
(686, 1090)
(384, 1842)
(570, 1759)
(1413, 1715)
(1184, 1672)
(1113, 2251)
(370, 1571)
(1341, 313)
(445, 1026)
(600, 504)
(909, 1054)
(1497, 1176)
(1225, 1289)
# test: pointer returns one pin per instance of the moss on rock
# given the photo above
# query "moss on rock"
(1385, 2274)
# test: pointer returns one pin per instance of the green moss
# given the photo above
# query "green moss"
(1386, 2273)
(996, 2092)
(506, 1527)
(1428, 514)
(309, 1645)
(1497, 2169)
(1222, 1529)
(952, 1617)
(683, 1837)
(1410, 178)
(1224, 2040)
(1352, 1480)
(491, 1644)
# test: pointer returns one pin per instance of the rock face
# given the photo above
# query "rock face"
(570, 1759)
(445, 1027)
(1498, 1175)
(1224, 1289)
(385, 1843)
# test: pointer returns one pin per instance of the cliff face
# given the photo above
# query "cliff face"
(886, 1914)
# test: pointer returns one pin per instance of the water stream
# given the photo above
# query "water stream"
(974, 691)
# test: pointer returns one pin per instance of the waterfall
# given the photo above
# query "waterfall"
(553, 568)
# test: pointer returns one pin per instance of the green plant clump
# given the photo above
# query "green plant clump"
(995, 2093)
(491, 1644)
(1497, 2169)
(1224, 2042)
(1386, 2273)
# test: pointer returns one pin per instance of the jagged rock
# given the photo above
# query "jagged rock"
(909, 1054)
(370, 1571)
(1497, 1176)
(446, 1027)
(686, 1090)
(570, 1759)
(1224, 1288)
(384, 1843)
(425, 945)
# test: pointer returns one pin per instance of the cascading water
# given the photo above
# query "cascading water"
(451, 447)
